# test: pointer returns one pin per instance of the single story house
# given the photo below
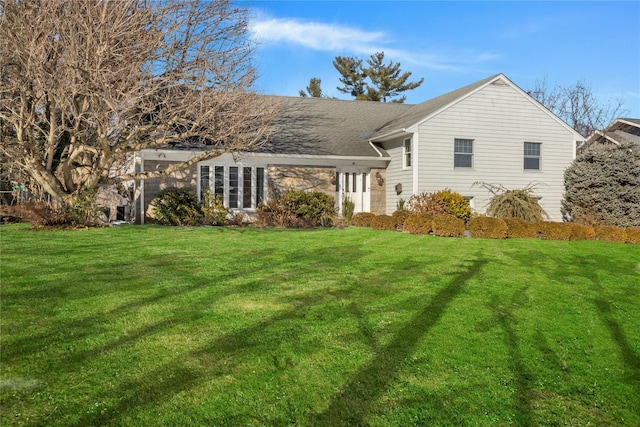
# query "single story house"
(620, 131)
(379, 153)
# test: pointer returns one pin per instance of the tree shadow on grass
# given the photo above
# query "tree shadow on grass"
(352, 405)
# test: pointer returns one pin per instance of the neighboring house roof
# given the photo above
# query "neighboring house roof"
(321, 126)
(620, 131)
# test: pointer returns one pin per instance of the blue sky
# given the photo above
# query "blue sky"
(452, 44)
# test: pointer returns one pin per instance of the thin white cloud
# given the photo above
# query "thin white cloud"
(344, 40)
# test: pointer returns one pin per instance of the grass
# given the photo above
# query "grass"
(252, 327)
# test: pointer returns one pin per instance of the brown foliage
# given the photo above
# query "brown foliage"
(554, 230)
(418, 224)
(447, 225)
(400, 216)
(362, 219)
(488, 228)
(383, 222)
(633, 235)
(581, 231)
(611, 233)
(518, 228)
(427, 203)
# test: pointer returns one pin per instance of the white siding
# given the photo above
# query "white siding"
(396, 174)
(499, 120)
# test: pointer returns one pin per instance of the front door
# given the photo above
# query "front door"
(353, 184)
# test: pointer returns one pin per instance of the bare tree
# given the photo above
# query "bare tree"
(85, 83)
(578, 106)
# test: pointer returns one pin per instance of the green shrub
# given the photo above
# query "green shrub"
(427, 203)
(602, 186)
(611, 233)
(455, 204)
(518, 228)
(347, 208)
(554, 230)
(448, 225)
(581, 231)
(488, 228)
(383, 222)
(176, 206)
(418, 224)
(213, 210)
(633, 235)
(400, 216)
(298, 209)
(520, 203)
(363, 219)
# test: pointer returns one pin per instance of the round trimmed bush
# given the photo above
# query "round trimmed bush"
(611, 233)
(418, 224)
(518, 228)
(400, 216)
(363, 219)
(633, 235)
(447, 225)
(488, 228)
(383, 222)
(554, 230)
(581, 231)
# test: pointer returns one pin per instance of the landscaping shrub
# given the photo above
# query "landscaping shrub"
(602, 186)
(347, 208)
(455, 204)
(418, 224)
(400, 216)
(519, 203)
(298, 209)
(611, 233)
(554, 230)
(383, 222)
(213, 210)
(581, 231)
(633, 235)
(448, 225)
(488, 228)
(176, 206)
(426, 203)
(363, 219)
(518, 228)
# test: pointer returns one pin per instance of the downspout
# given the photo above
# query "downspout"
(141, 189)
(416, 153)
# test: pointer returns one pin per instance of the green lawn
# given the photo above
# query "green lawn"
(252, 327)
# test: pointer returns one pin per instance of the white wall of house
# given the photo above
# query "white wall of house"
(397, 173)
(499, 119)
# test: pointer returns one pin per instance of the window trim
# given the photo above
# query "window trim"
(219, 184)
(529, 156)
(461, 153)
(407, 153)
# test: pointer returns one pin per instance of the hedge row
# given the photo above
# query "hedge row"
(447, 225)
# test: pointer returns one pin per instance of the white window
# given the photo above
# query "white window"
(237, 186)
(532, 155)
(406, 149)
(463, 153)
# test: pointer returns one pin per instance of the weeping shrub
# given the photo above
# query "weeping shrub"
(520, 203)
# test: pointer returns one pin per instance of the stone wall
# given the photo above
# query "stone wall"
(306, 178)
(378, 191)
(152, 187)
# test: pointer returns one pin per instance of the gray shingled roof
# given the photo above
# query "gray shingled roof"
(421, 111)
(320, 126)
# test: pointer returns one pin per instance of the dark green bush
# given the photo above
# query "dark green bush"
(554, 230)
(176, 206)
(383, 222)
(518, 228)
(298, 209)
(487, 228)
(448, 225)
(418, 224)
(611, 233)
(363, 219)
(347, 208)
